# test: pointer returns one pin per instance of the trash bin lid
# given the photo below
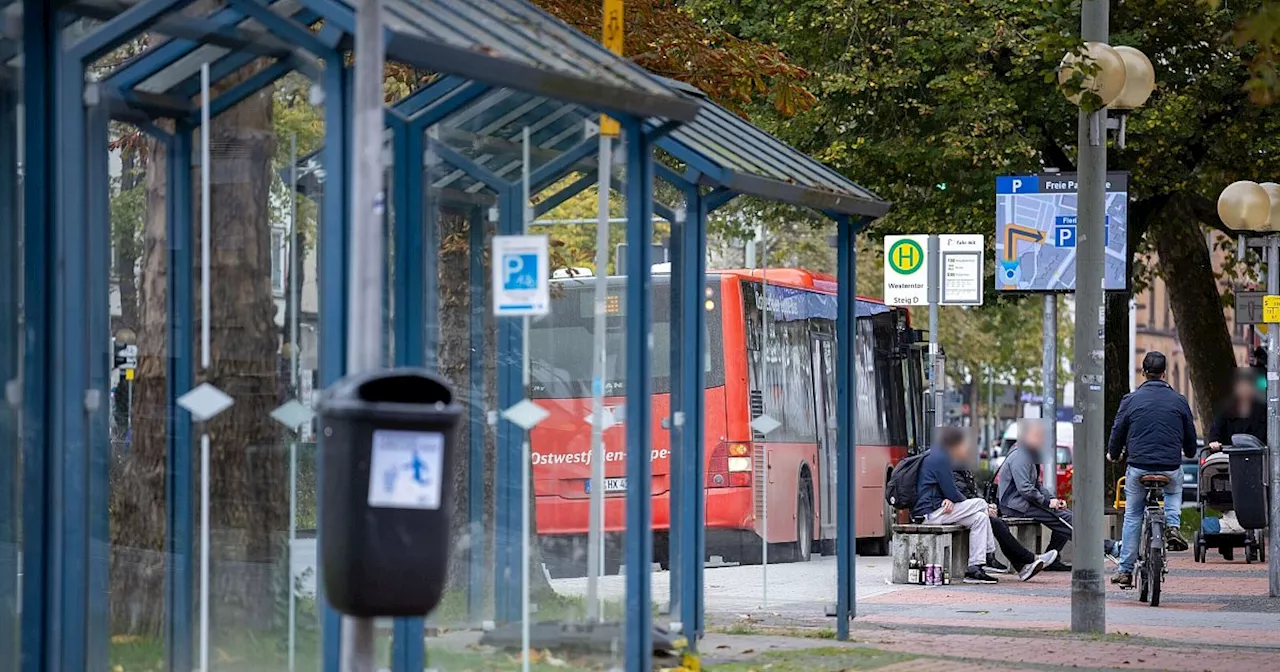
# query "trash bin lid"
(409, 393)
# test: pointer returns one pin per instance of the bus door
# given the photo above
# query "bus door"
(824, 403)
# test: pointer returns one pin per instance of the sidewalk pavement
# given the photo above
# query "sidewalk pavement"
(1213, 616)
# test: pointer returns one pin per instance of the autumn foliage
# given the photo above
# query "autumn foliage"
(669, 41)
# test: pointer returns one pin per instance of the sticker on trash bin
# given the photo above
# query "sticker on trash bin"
(406, 469)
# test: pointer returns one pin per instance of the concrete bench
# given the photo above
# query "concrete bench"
(1027, 531)
(946, 545)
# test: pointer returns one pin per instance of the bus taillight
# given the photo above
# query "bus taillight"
(729, 466)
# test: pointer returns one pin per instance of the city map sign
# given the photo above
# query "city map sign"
(1037, 231)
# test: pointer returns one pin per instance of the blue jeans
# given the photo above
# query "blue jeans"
(1135, 505)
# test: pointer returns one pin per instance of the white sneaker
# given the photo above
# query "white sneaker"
(1031, 569)
(1043, 560)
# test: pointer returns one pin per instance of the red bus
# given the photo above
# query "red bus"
(770, 351)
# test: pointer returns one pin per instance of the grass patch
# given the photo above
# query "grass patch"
(831, 659)
(453, 609)
(1190, 523)
(241, 652)
(752, 629)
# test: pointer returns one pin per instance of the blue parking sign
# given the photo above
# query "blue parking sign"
(521, 276)
(1064, 235)
(520, 271)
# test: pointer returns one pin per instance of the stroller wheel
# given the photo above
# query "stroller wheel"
(1228, 553)
(1199, 548)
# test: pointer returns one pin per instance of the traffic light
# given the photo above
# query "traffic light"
(1258, 362)
(124, 357)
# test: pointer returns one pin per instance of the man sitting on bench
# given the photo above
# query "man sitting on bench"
(1022, 495)
(939, 501)
(1025, 563)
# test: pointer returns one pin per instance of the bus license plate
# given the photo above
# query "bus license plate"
(610, 485)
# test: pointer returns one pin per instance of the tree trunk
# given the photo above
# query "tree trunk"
(1117, 374)
(1187, 270)
(455, 366)
(137, 499)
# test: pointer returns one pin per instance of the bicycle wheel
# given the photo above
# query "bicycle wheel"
(1155, 575)
(1155, 560)
(1140, 568)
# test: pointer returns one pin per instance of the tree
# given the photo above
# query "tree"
(926, 101)
(249, 510)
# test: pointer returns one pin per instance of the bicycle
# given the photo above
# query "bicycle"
(1150, 569)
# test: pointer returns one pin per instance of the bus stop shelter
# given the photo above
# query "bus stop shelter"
(502, 66)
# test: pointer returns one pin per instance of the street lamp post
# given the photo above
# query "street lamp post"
(1247, 207)
(1094, 77)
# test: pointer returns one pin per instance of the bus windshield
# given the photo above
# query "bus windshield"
(561, 344)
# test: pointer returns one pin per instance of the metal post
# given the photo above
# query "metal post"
(295, 296)
(526, 537)
(595, 518)
(1273, 419)
(1049, 405)
(936, 384)
(1133, 343)
(206, 302)
(368, 204)
(1088, 606)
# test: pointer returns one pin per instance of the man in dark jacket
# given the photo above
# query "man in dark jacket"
(940, 502)
(1022, 494)
(1154, 423)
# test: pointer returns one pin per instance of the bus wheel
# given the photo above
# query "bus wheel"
(804, 524)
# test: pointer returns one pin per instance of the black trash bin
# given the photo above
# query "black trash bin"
(1249, 480)
(385, 445)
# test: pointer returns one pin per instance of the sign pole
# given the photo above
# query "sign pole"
(1088, 596)
(364, 327)
(935, 368)
(613, 36)
(1273, 419)
(1049, 404)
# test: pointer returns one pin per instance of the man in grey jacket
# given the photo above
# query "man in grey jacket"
(1022, 494)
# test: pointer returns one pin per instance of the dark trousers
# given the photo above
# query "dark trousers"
(1060, 531)
(1016, 552)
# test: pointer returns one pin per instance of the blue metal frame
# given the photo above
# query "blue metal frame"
(639, 511)
(415, 343)
(333, 236)
(846, 418)
(39, 81)
(98, 268)
(510, 346)
(180, 378)
(10, 300)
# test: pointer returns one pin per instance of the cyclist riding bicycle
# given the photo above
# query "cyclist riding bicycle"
(1154, 423)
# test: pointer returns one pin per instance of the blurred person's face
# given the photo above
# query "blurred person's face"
(1244, 392)
(964, 452)
(1031, 435)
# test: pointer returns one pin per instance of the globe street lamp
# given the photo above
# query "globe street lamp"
(1250, 208)
(1093, 77)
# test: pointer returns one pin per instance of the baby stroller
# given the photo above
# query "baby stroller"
(1241, 523)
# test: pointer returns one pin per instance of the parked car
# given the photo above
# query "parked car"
(1191, 476)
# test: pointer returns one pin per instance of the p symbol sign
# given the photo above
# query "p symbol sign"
(519, 271)
(1064, 236)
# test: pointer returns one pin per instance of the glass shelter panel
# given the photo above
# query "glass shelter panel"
(263, 305)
